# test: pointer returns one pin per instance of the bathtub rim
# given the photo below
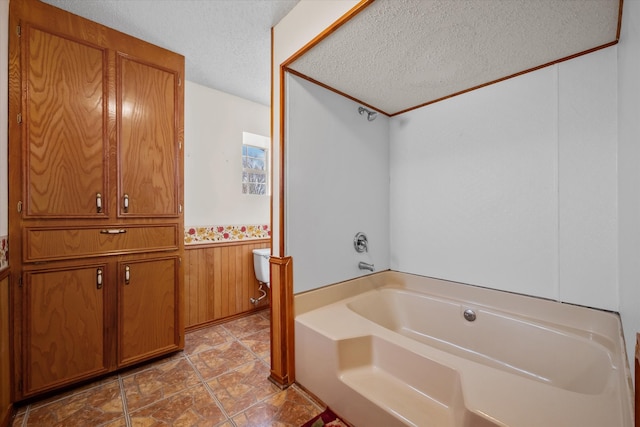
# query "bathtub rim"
(605, 324)
(516, 304)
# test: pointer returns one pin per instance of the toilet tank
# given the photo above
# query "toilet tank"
(261, 264)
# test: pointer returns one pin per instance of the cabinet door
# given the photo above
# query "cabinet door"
(65, 115)
(149, 309)
(64, 326)
(148, 149)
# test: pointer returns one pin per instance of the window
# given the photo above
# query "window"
(255, 161)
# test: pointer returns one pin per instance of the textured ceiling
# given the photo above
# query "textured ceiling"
(226, 43)
(399, 54)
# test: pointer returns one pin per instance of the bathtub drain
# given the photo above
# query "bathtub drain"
(470, 315)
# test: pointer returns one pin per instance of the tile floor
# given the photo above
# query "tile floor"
(220, 379)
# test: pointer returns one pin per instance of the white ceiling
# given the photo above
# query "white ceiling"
(226, 43)
(399, 54)
(393, 56)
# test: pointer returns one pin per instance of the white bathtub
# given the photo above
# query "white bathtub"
(395, 349)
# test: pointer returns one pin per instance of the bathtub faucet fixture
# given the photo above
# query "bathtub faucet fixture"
(360, 242)
(365, 266)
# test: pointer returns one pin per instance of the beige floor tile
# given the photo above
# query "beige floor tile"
(288, 408)
(156, 362)
(120, 422)
(221, 359)
(158, 382)
(243, 387)
(193, 407)
(18, 420)
(258, 342)
(75, 390)
(206, 339)
(96, 406)
(267, 359)
(247, 325)
(232, 358)
(266, 314)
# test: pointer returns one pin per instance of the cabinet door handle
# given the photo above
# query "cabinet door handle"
(125, 203)
(127, 275)
(98, 202)
(99, 278)
(113, 231)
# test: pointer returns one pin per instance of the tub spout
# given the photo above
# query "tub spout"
(365, 266)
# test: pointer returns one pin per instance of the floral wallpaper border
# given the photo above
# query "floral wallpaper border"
(4, 252)
(225, 233)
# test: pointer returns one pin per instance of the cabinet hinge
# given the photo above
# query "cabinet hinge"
(19, 385)
(20, 281)
(19, 30)
(180, 208)
(19, 118)
(179, 81)
(19, 207)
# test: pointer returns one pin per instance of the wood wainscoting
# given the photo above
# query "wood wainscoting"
(637, 381)
(220, 281)
(6, 407)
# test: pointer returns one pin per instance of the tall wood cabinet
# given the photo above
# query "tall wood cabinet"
(95, 198)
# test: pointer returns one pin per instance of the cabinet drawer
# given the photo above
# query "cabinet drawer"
(47, 244)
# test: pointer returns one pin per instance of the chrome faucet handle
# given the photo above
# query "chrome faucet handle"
(360, 242)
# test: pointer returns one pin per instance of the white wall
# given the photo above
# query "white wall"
(629, 172)
(337, 185)
(4, 89)
(214, 123)
(474, 187)
(513, 186)
(587, 146)
(305, 21)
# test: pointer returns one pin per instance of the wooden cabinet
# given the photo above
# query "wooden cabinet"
(67, 317)
(147, 287)
(64, 325)
(96, 192)
(6, 408)
(64, 120)
(147, 152)
(67, 121)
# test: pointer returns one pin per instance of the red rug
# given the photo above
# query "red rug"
(325, 419)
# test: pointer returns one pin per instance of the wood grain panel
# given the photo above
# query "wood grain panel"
(190, 272)
(63, 307)
(637, 381)
(65, 114)
(82, 98)
(148, 318)
(282, 322)
(63, 243)
(209, 294)
(225, 283)
(217, 285)
(220, 280)
(148, 139)
(5, 367)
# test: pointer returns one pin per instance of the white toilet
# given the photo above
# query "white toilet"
(261, 264)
